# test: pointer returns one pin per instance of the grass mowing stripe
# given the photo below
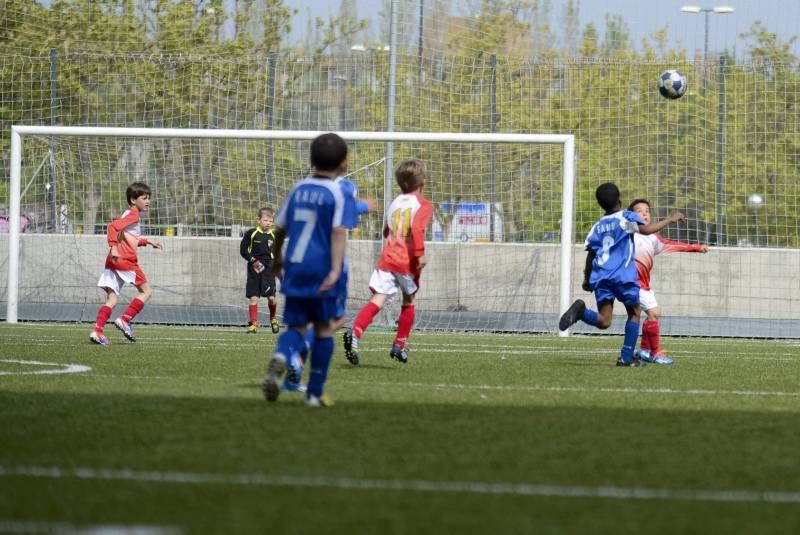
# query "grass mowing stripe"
(512, 388)
(472, 487)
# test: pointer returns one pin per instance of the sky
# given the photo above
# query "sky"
(644, 17)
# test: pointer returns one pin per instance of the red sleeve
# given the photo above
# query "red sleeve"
(671, 246)
(116, 226)
(142, 242)
(418, 226)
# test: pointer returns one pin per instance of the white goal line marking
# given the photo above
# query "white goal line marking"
(64, 368)
(414, 485)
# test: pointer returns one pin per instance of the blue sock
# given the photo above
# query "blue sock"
(290, 342)
(590, 317)
(321, 353)
(309, 341)
(631, 335)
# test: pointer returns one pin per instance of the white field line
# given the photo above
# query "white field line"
(579, 389)
(502, 351)
(412, 485)
(497, 388)
(64, 368)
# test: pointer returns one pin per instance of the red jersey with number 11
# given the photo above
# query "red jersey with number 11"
(406, 220)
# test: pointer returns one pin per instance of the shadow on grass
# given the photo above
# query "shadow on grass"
(559, 445)
(394, 440)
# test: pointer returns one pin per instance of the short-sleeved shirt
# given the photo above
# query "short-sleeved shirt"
(313, 208)
(407, 218)
(126, 234)
(611, 239)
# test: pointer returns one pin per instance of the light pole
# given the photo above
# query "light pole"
(719, 10)
(720, 143)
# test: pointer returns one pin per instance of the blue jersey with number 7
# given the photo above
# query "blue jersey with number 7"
(312, 210)
(611, 239)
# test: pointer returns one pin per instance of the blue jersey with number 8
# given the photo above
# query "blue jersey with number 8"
(611, 239)
(313, 208)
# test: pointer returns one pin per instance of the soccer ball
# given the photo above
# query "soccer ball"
(672, 84)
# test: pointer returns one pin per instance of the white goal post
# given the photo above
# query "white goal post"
(20, 132)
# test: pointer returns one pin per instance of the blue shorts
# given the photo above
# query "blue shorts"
(299, 311)
(627, 293)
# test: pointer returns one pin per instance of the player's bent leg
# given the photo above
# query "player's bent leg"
(572, 315)
(271, 383)
(289, 343)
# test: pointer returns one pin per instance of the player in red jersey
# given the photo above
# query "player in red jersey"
(401, 261)
(647, 247)
(122, 265)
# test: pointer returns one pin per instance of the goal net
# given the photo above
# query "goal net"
(496, 258)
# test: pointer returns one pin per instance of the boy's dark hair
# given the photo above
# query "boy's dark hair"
(265, 210)
(638, 201)
(410, 175)
(607, 196)
(136, 190)
(328, 151)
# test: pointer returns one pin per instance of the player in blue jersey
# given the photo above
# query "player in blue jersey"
(353, 209)
(311, 219)
(611, 269)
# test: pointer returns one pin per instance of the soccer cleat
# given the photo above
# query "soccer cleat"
(275, 327)
(399, 354)
(252, 328)
(271, 385)
(663, 359)
(99, 338)
(350, 344)
(126, 329)
(322, 401)
(572, 315)
(643, 354)
(635, 363)
(289, 386)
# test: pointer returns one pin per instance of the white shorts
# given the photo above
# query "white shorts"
(115, 280)
(647, 299)
(388, 283)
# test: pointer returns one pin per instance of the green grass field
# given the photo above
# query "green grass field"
(477, 434)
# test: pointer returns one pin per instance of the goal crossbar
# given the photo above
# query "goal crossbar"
(19, 131)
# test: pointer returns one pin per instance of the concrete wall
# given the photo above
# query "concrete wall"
(506, 278)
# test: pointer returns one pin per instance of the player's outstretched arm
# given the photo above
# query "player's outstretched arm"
(672, 246)
(652, 228)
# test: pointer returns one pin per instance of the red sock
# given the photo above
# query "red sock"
(364, 318)
(102, 317)
(134, 308)
(655, 346)
(645, 337)
(254, 314)
(404, 325)
(273, 307)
